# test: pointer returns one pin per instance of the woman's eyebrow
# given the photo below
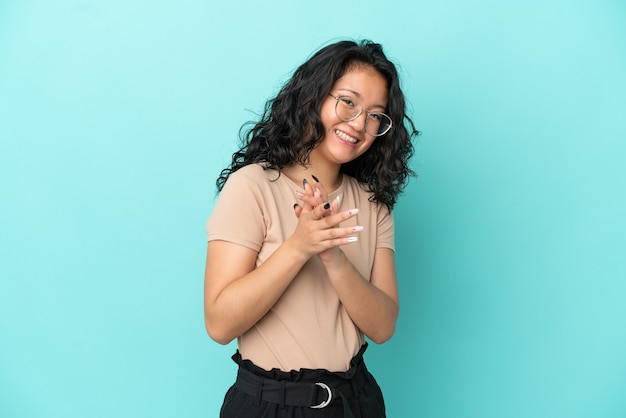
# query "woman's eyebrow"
(352, 91)
(359, 96)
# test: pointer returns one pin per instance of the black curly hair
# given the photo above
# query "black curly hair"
(290, 127)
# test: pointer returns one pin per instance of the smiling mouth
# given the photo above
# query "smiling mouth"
(346, 137)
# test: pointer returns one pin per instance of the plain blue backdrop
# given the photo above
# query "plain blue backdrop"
(117, 116)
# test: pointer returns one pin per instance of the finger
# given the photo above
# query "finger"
(336, 218)
(323, 194)
(308, 191)
(342, 236)
(297, 209)
(311, 201)
(341, 241)
(318, 196)
(343, 232)
(334, 206)
(321, 211)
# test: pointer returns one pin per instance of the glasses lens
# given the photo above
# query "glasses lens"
(378, 124)
(346, 109)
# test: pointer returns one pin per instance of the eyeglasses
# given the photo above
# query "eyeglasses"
(347, 109)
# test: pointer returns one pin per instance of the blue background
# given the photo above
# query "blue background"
(116, 117)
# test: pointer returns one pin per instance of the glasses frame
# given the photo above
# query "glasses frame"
(361, 109)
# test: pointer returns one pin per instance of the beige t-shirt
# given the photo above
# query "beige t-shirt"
(308, 327)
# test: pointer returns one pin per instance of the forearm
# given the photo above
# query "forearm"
(244, 301)
(238, 294)
(371, 309)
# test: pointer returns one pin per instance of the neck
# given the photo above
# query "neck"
(330, 177)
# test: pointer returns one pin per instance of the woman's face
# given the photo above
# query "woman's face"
(344, 141)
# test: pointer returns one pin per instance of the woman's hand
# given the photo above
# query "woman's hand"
(320, 196)
(372, 304)
(318, 230)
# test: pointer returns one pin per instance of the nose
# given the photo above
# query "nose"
(358, 123)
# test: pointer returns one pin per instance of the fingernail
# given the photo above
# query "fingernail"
(353, 212)
(326, 205)
(357, 228)
(295, 205)
(353, 239)
(305, 182)
(315, 178)
(299, 193)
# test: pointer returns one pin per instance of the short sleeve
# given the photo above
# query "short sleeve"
(237, 216)
(385, 229)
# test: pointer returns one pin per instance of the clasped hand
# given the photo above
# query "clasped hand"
(318, 230)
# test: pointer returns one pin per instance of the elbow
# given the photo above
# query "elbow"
(383, 335)
(219, 338)
(385, 331)
(218, 334)
(381, 340)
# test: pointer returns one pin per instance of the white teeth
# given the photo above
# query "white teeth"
(346, 137)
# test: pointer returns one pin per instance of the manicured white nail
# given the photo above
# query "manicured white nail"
(353, 239)
(357, 228)
(299, 193)
(353, 212)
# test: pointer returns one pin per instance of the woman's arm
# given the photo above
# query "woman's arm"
(373, 305)
(237, 295)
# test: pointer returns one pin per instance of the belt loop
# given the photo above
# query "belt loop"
(281, 394)
(259, 392)
(355, 387)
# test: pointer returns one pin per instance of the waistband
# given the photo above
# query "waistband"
(312, 388)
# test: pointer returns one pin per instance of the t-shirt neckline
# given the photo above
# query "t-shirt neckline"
(331, 195)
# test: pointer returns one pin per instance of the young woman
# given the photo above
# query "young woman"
(300, 263)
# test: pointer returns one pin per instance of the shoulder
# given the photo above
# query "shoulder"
(255, 184)
(252, 174)
(252, 171)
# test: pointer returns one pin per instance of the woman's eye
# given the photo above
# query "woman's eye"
(347, 101)
(377, 117)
